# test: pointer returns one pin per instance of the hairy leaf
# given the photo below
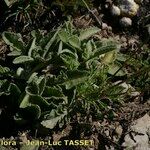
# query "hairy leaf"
(53, 119)
(75, 41)
(13, 40)
(84, 34)
(4, 70)
(74, 78)
(23, 59)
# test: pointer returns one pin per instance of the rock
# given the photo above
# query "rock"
(104, 26)
(125, 22)
(119, 130)
(140, 137)
(128, 8)
(115, 11)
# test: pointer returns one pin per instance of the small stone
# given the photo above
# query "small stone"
(119, 130)
(106, 6)
(123, 39)
(115, 11)
(125, 22)
(104, 26)
(106, 132)
(128, 8)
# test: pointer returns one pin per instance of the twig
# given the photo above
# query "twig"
(94, 16)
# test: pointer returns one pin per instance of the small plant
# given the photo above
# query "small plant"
(56, 76)
(25, 13)
(68, 5)
(138, 70)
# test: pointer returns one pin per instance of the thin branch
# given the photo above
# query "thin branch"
(94, 16)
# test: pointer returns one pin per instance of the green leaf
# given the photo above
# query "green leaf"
(14, 53)
(116, 70)
(19, 71)
(54, 119)
(60, 47)
(31, 112)
(33, 77)
(36, 34)
(74, 78)
(109, 57)
(41, 82)
(89, 48)
(14, 89)
(23, 59)
(70, 61)
(13, 40)
(40, 101)
(84, 34)
(49, 44)
(10, 2)
(69, 52)
(75, 41)
(32, 47)
(25, 101)
(4, 85)
(103, 50)
(4, 70)
(53, 92)
(64, 36)
(32, 89)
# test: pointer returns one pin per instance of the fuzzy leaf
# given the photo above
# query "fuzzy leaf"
(19, 71)
(54, 119)
(32, 89)
(75, 41)
(22, 59)
(41, 82)
(14, 53)
(13, 40)
(70, 61)
(109, 57)
(53, 92)
(103, 50)
(4, 70)
(74, 78)
(31, 112)
(32, 47)
(10, 2)
(25, 101)
(84, 34)
(14, 90)
(40, 101)
(64, 36)
(49, 44)
(116, 68)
